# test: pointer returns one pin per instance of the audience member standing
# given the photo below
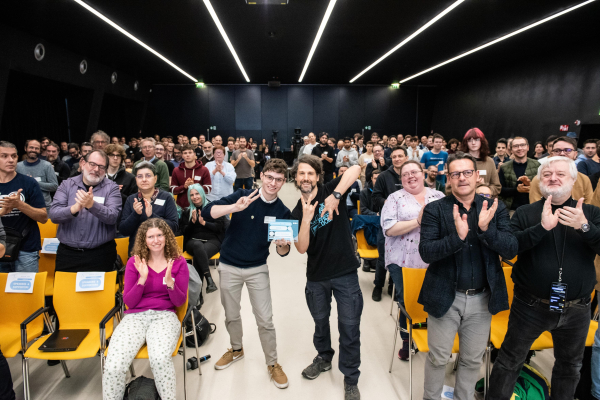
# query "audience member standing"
(347, 156)
(391, 144)
(222, 175)
(476, 145)
(462, 237)
(365, 159)
(501, 156)
(133, 150)
(162, 171)
(149, 202)
(545, 230)
(86, 208)
(39, 169)
(116, 171)
(61, 170)
(243, 162)
(160, 154)
(189, 172)
(414, 153)
(86, 148)
(208, 156)
(331, 268)
(312, 142)
(516, 175)
(378, 162)
(100, 140)
(436, 157)
(325, 153)
(74, 155)
(22, 206)
(591, 165)
(366, 196)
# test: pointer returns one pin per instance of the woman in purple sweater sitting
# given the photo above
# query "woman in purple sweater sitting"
(156, 282)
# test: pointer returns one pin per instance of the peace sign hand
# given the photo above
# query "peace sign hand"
(244, 202)
(142, 268)
(572, 217)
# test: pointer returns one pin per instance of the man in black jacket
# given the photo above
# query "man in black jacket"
(387, 183)
(61, 169)
(545, 229)
(378, 162)
(461, 238)
(326, 154)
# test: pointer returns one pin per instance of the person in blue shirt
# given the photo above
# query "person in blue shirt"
(436, 157)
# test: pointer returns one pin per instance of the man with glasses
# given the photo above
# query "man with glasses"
(38, 169)
(378, 162)
(177, 156)
(160, 154)
(243, 260)
(462, 237)
(100, 140)
(566, 147)
(162, 171)
(516, 175)
(116, 171)
(86, 208)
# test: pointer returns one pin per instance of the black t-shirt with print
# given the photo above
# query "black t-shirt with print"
(330, 250)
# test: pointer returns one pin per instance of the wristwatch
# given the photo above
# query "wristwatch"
(585, 227)
(337, 195)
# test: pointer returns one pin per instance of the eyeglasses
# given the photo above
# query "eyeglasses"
(147, 147)
(518, 146)
(147, 176)
(566, 151)
(467, 173)
(473, 140)
(114, 155)
(271, 178)
(99, 141)
(93, 165)
(411, 173)
(487, 196)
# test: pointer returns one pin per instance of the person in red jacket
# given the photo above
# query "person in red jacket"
(189, 172)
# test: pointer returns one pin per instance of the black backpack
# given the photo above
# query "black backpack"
(141, 388)
(203, 329)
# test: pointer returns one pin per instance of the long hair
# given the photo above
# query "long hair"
(140, 248)
(200, 190)
(473, 133)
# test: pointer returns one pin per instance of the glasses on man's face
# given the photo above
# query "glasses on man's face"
(99, 141)
(473, 140)
(271, 178)
(467, 173)
(147, 147)
(518, 146)
(73, 153)
(142, 176)
(414, 173)
(487, 196)
(93, 165)
(558, 151)
(114, 155)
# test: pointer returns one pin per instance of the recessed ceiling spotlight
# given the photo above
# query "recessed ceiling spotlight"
(408, 39)
(499, 40)
(213, 14)
(130, 36)
(318, 37)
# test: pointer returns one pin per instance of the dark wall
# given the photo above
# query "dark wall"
(531, 98)
(255, 110)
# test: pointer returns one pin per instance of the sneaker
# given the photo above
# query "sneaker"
(351, 392)
(314, 370)
(376, 296)
(278, 377)
(229, 358)
(403, 354)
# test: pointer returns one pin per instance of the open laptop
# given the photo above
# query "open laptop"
(64, 340)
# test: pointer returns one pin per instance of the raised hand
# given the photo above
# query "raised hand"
(148, 207)
(308, 210)
(200, 219)
(168, 278)
(194, 216)
(85, 199)
(244, 202)
(188, 182)
(142, 268)
(549, 220)
(461, 224)
(137, 206)
(572, 217)
(486, 214)
(331, 205)
(374, 163)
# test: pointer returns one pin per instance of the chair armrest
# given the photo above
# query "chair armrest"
(508, 262)
(108, 316)
(34, 316)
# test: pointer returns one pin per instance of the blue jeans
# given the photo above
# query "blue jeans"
(242, 183)
(396, 275)
(596, 365)
(350, 305)
(527, 321)
(27, 262)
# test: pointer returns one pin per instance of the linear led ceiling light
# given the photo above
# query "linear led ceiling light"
(318, 37)
(130, 36)
(408, 39)
(499, 39)
(213, 14)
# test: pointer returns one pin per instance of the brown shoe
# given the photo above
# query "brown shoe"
(279, 377)
(229, 358)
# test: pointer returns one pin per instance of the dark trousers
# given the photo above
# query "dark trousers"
(380, 271)
(6, 384)
(101, 258)
(202, 252)
(327, 177)
(396, 275)
(352, 212)
(527, 321)
(349, 301)
(242, 183)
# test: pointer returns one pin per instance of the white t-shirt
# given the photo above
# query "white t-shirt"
(309, 148)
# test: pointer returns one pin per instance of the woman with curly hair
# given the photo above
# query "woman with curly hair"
(156, 282)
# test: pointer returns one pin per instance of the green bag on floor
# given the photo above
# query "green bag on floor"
(530, 385)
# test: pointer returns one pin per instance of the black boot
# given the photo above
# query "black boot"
(376, 296)
(210, 285)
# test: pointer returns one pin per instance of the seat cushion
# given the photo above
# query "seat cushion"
(419, 337)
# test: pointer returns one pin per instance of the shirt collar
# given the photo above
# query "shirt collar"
(265, 200)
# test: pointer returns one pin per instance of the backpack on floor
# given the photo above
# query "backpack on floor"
(203, 329)
(141, 388)
(530, 385)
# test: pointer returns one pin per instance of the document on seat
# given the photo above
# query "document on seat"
(89, 281)
(20, 282)
(283, 229)
(50, 246)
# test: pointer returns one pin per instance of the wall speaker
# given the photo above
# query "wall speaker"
(83, 67)
(113, 78)
(39, 52)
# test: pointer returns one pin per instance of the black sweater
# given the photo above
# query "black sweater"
(209, 231)
(126, 179)
(366, 201)
(387, 183)
(537, 265)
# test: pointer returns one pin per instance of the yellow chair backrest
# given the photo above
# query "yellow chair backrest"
(358, 206)
(47, 263)
(413, 281)
(16, 307)
(361, 241)
(123, 249)
(179, 240)
(48, 230)
(80, 310)
(510, 285)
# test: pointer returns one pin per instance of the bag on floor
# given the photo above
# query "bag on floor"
(203, 329)
(141, 388)
(530, 385)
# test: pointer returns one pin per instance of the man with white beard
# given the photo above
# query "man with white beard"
(86, 208)
(554, 277)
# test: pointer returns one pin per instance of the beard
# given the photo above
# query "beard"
(555, 193)
(33, 154)
(93, 179)
(302, 190)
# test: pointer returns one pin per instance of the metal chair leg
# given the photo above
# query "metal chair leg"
(65, 369)
(185, 361)
(393, 299)
(396, 329)
(488, 353)
(25, 364)
(131, 370)
(456, 362)
(196, 344)
(410, 357)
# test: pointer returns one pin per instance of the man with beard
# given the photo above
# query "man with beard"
(43, 144)
(325, 153)
(347, 156)
(544, 230)
(207, 149)
(61, 169)
(86, 148)
(39, 170)
(86, 208)
(100, 140)
(73, 156)
(331, 267)
(64, 151)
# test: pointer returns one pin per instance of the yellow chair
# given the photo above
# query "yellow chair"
(76, 310)
(123, 249)
(47, 263)
(47, 230)
(364, 249)
(19, 307)
(358, 206)
(414, 313)
(179, 240)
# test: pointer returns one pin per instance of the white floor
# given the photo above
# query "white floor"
(248, 379)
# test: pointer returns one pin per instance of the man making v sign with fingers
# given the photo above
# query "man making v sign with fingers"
(243, 259)
(331, 267)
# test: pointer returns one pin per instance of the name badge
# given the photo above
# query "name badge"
(99, 199)
(325, 152)
(159, 202)
(165, 280)
(37, 178)
(353, 190)
(482, 172)
(197, 178)
(56, 173)
(269, 219)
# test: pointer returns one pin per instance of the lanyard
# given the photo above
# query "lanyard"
(560, 259)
